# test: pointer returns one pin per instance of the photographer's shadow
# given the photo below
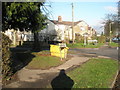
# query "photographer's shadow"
(62, 81)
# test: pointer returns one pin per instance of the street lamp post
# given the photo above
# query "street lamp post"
(47, 33)
(85, 38)
(110, 27)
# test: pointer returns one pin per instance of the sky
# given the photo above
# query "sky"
(92, 12)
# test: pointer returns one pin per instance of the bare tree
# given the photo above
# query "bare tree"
(110, 27)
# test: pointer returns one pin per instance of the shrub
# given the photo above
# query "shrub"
(94, 37)
(101, 39)
(79, 38)
(6, 58)
(66, 40)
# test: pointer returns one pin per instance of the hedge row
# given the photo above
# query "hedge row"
(6, 58)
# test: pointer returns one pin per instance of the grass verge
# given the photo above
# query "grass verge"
(43, 60)
(112, 44)
(96, 73)
(81, 45)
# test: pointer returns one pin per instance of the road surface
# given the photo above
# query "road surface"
(109, 52)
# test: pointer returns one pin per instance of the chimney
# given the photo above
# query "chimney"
(59, 19)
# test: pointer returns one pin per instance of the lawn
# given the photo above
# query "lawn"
(112, 44)
(81, 45)
(43, 60)
(96, 73)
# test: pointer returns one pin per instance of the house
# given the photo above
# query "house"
(60, 30)
(56, 30)
(17, 35)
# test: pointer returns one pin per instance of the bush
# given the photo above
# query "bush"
(6, 58)
(79, 38)
(101, 39)
(66, 40)
(94, 37)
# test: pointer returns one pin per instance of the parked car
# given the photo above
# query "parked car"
(116, 40)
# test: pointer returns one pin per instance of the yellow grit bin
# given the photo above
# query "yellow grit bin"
(58, 51)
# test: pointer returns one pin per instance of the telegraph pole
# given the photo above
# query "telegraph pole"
(72, 23)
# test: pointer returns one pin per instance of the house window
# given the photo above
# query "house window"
(82, 28)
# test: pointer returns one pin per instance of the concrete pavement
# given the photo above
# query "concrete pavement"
(40, 78)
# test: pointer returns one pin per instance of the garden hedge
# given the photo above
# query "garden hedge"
(6, 58)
